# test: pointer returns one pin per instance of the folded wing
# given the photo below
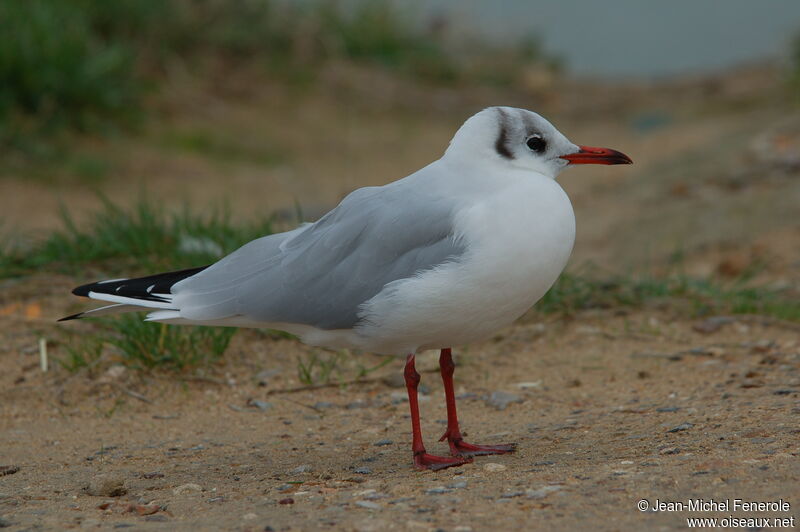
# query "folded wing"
(321, 274)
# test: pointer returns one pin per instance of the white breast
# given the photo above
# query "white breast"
(519, 237)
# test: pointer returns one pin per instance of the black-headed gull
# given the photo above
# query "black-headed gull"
(441, 258)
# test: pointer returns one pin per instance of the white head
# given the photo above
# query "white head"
(524, 140)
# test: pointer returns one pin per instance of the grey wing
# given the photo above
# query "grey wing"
(320, 275)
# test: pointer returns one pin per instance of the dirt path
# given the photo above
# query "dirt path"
(616, 408)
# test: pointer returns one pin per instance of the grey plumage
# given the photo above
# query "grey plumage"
(321, 274)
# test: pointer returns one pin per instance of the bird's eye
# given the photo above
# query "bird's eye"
(536, 143)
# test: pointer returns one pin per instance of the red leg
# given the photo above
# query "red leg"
(453, 434)
(423, 460)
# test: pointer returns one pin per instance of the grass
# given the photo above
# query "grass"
(699, 297)
(324, 367)
(59, 73)
(143, 345)
(142, 239)
(146, 346)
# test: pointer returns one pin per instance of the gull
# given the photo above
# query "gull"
(439, 259)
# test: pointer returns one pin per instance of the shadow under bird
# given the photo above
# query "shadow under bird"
(441, 258)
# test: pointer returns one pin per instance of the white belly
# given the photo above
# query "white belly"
(518, 242)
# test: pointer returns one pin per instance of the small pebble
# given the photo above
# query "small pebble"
(394, 380)
(492, 467)
(321, 405)
(398, 397)
(500, 400)
(458, 485)
(670, 450)
(287, 500)
(8, 470)
(152, 475)
(356, 404)
(369, 505)
(466, 396)
(180, 490)
(149, 509)
(250, 516)
(668, 409)
(261, 405)
(381, 443)
(681, 427)
(438, 490)
(542, 492)
(362, 471)
(305, 468)
(4, 523)
(106, 486)
(512, 494)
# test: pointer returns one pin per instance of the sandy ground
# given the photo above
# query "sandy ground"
(608, 407)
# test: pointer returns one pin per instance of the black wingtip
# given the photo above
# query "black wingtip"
(77, 316)
(146, 288)
(83, 290)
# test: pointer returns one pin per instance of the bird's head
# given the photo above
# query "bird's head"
(522, 139)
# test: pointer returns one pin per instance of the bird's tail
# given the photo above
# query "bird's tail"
(151, 293)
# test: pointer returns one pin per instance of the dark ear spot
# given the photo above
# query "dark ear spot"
(501, 144)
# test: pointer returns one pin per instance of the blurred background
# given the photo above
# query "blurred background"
(142, 134)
